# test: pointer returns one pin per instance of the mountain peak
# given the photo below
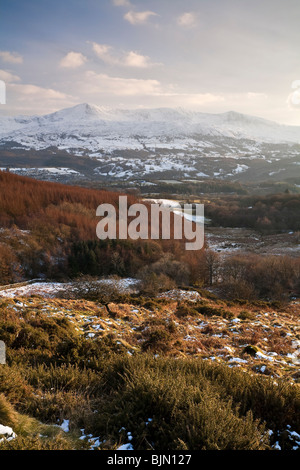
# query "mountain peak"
(86, 108)
(79, 110)
(158, 124)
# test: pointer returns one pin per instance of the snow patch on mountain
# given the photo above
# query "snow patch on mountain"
(95, 128)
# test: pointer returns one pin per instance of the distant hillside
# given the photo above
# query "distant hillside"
(98, 143)
(49, 230)
(91, 127)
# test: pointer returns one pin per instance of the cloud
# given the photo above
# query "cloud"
(11, 57)
(32, 99)
(73, 60)
(8, 77)
(122, 3)
(134, 91)
(187, 20)
(2, 92)
(28, 91)
(128, 59)
(103, 84)
(139, 17)
(296, 84)
(254, 95)
(190, 100)
(103, 51)
(28, 98)
(133, 59)
(294, 97)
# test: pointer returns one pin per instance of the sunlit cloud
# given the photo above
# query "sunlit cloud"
(128, 59)
(253, 95)
(95, 84)
(190, 100)
(29, 98)
(103, 51)
(139, 17)
(11, 57)
(27, 90)
(187, 19)
(32, 99)
(73, 60)
(122, 3)
(133, 59)
(8, 77)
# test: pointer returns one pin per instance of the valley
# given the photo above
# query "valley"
(140, 344)
(150, 231)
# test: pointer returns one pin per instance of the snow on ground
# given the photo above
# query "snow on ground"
(52, 170)
(65, 425)
(46, 289)
(165, 202)
(123, 285)
(225, 332)
(6, 433)
(93, 441)
(179, 294)
(240, 168)
(126, 447)
(121, 128)
(51, 289)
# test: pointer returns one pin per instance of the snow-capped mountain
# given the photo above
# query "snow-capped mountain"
(152, 142)
(98, 128)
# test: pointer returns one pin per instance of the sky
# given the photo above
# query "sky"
(205, 55)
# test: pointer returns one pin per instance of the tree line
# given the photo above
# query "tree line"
(49, 230)
(271, 213)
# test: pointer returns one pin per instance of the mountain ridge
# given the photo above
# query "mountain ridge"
(101, 143)
(169, 121)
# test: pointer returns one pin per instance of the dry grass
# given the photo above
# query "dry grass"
(175, 328)
(68, 358)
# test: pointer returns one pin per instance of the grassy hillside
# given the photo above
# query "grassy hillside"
(167, 365)
(160, 374)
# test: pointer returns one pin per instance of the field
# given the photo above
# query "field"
(228, 240)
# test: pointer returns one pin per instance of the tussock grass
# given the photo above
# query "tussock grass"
(166, 399)
(185, 408)
(191, 403)
(7, 412)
